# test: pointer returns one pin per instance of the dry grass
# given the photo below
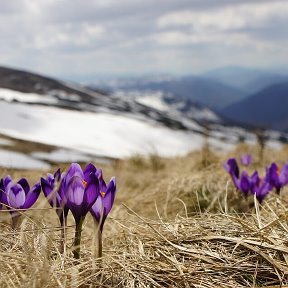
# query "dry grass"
(175, 223)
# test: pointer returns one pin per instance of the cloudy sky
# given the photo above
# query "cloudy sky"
(85, 39)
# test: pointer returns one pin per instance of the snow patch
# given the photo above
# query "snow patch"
(12, 95)
(62, 155)
(16, 160)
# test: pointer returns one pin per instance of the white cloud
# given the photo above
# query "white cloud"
(83, 34)
(60, 37)
(229, 18)
(177, 38)
(237, 39)
(237, 26)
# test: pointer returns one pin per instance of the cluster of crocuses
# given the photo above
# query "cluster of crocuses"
(274, 178)
(79, 191)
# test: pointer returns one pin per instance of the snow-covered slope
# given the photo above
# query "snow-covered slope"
(101, 134)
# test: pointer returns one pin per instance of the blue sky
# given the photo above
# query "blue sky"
(85, 39)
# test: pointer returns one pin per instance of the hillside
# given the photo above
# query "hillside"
(267, 108)
(27, 82)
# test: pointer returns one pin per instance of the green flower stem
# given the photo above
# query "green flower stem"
(63, 223)
(77, 239)
(99, 242)
(15, 219)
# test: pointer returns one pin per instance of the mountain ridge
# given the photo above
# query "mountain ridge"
(266, 109)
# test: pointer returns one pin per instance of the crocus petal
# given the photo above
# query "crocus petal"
(245, 183)
(46, 187)
(75, 195)
(283, 177)
(50, 179)
(3, 195)
(57, 175)
(89, 169)
(97, 209)
(255, 182)
(16, 196)
(103, 205)
(92, 191)
(50, 193)
(103, 186)
(263, 191)
(7, 181)
(32, 196)
(273, 177)
(63, 187)
(1, 192)
(1, 184)
(75, 191)
(246, 159)
(25, 185)
(232, 168)
(74, 170)
(109, 196)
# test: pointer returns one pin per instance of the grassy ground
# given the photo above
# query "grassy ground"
(175, 223)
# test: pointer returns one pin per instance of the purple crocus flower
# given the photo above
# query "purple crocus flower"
(104, 202)
(81, 189)
(54, 192)
(246, 159)
(244, 184)
(254, 184)
(232, 168)
(241, 182)
(278, 179)
(102, 207)
(261, 187)
(18, 196)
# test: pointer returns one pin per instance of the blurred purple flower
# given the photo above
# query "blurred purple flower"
(18, 196)
(261, 187)
(242, 182)
(246, 159)
(278, 178)
(232, 168)
(246, 184)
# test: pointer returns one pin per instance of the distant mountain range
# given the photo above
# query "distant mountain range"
(206, 92)
(267, 108)
(249, 81)
(239, 95)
